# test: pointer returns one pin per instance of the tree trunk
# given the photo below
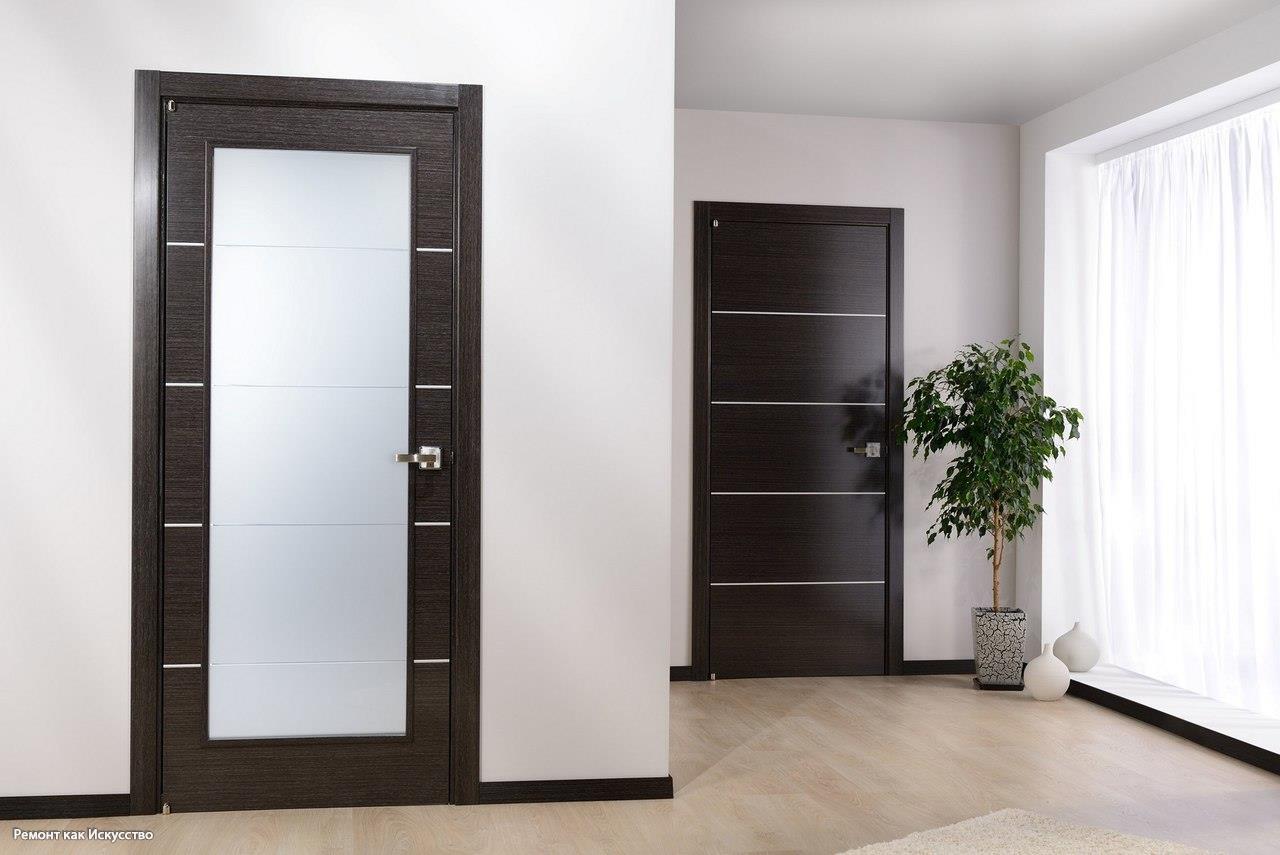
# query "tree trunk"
(997, 555)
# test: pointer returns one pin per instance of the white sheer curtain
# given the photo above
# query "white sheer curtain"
(1181, 414)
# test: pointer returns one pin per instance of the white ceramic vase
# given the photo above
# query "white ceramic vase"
(1077, 649)
(1047, 677)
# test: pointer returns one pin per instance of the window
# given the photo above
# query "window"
(1181, 488)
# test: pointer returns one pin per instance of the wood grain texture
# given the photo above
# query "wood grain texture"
(798, 267)
(795, 259)
(200, 776)
(147, 415)
(327, 92)
(807, 766)
(464, 723)
(435, 209)
(757, 212)
(433, 427)
(803, 449)
(432, 554)
(789, 259)
(797, 538)
(184, 314)
(333, 115)
(798, 358)
(576, 790)
(701, 439)
(894, 464)
(185, 422)
(797, 630)
(60, 807)
(183, 595)
(194, 129)
(433, 318)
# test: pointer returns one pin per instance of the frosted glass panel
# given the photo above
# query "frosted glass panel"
(291, 455)
(256, 568)
(286, 317)
(306, 699)
(268, 197)
(309, 402)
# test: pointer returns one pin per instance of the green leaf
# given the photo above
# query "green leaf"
(986, 408)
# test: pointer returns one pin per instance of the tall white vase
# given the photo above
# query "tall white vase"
(1076, 648)
(1047, 677)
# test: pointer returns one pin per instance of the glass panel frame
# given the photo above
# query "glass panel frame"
(400, 338)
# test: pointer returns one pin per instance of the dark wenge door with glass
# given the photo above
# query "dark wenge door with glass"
(797, 480)
(308, 300)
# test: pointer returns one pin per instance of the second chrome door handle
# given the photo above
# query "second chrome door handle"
(427, 457)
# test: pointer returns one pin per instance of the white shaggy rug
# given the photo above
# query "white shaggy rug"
(1020, 831)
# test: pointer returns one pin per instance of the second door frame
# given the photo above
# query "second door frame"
(152, 89)
(891, 219)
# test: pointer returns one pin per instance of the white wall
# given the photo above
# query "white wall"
(958, 185)
(577, 357)
(1057, 152)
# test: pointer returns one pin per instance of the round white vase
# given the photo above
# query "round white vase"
(1047, 677)
(1077, 649)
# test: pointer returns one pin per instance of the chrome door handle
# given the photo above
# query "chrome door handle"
(428, 457)
(871, 449)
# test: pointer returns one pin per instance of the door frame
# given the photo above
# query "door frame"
(892, 220)
(152, 89)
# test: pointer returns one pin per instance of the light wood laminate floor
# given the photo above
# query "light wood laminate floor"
(807, 765)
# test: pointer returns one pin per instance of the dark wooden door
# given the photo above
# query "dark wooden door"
(797, 481)
(308, 340)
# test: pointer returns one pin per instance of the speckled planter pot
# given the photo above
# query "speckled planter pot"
(998, 642)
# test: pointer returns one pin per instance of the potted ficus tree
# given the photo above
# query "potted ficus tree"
(986, 405)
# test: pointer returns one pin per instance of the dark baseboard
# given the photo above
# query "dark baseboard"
(64, 807)
(579, 790)
(937, 666)
(682, 673)
(1212, 739)
(491, 792)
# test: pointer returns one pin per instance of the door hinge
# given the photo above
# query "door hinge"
(715, 224)
(171, 106)
(713, 676)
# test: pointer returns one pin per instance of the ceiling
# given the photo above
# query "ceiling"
(952, 60)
